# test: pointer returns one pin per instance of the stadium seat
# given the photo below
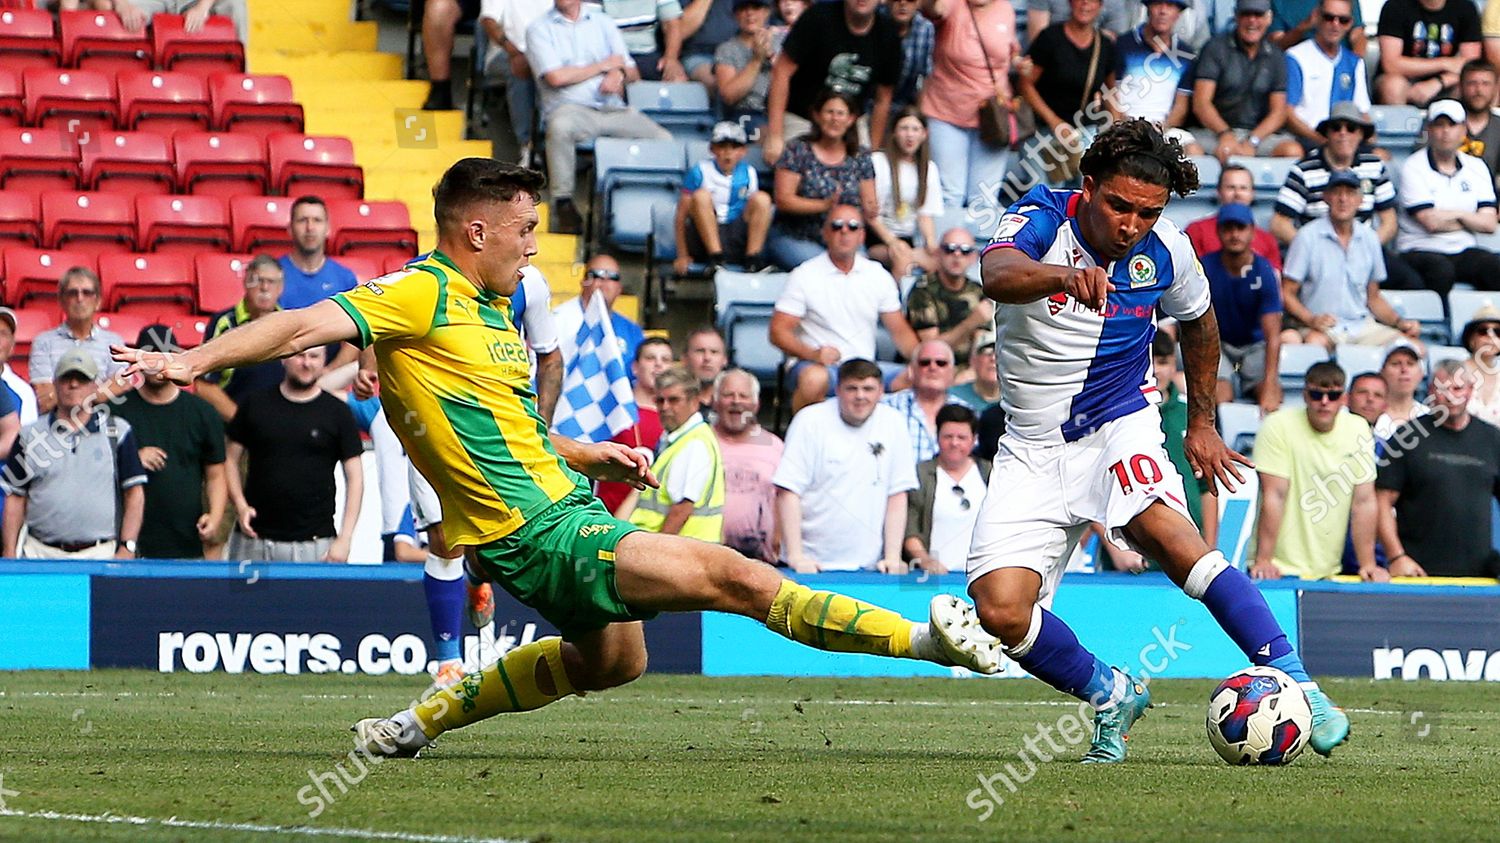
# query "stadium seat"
(127, 325)
(163, 102)
(12, 103)
(97, 223)
(260, 105)
(364, 268)
(148, 283)
(27, 40)
(32, 274)
(682, 108)
(743, 302)
(215, 48)
(1238, 424)
(76, 100)
(314, 164)
(1397, 126)
(1425, 306)
(261, 224)
(1186, 211)
(1438, 353)
(35, 160)
(375, 230)
(221, 281)
(1209, 169)
(187, 330)
(128, 162)
(99, 41)
(220, 164)
(1295, 360)
(20, 222)
(181, 224)
(632, 176)
(1461, 307)
(1358, 359)
(30, 322)
(393, 263)
(1269, 174)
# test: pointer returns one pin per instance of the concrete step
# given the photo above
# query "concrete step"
(348, 66)
(314, 36)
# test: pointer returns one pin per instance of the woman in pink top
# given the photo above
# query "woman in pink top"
(959, 84)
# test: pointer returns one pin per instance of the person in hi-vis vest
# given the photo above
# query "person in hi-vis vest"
(690, 499)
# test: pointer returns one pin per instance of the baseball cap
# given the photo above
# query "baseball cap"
(1402, 346)
(1186, 4)
(1254, 7)
(728, 131)
(1343, 178)
(76, 360)
(1236, 213)
(739, 3)
(9, 317)
(1450, 109)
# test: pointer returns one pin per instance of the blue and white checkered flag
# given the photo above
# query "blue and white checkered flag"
(597, 401)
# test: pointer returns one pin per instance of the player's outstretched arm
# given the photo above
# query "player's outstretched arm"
(1206, 452)
(270, 337)
(608, 461)
(1012, 277)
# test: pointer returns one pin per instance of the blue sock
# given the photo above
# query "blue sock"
(1058, 659)
(445, 606)
(1238, 606)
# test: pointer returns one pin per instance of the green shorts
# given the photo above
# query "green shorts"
(562, 563)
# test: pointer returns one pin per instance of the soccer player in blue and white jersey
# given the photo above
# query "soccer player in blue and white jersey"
(1078, 276)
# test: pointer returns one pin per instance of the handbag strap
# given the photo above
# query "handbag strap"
(1093, 70)
(994, 83)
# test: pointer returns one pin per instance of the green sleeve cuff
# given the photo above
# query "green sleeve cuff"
(364, 327)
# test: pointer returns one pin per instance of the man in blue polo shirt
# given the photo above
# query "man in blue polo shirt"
(311, 275)
(1246, 293)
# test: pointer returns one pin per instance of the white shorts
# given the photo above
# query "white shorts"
(425, 508)
(1042, 496)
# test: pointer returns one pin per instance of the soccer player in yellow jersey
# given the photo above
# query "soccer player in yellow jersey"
(455, 386)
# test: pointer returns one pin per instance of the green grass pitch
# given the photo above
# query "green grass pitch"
(676, 758)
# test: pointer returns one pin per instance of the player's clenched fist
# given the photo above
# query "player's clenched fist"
(1089, 285)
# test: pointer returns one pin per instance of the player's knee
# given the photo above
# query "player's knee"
(622, 669)
(1007, 620)
(738, 584)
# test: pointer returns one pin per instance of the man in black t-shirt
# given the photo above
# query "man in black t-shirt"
(844, 46)
(1434, 491)
(1423, 47)
(294, 434)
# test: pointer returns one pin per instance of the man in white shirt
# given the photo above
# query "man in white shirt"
(842, 482)
(505, 22)
(1322, 72)
(828, 312)
(1446, 198)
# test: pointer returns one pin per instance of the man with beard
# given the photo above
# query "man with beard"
(751, 455)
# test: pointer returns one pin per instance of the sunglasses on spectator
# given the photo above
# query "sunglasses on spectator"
(963, 499)
(1339, 19)
(1324, 394)
(1488, 331)
(959, 248)
(840, 225)
(606, 274)
(934, 361)
(1344, 126)
(79, 293)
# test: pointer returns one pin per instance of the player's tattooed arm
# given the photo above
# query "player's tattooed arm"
(1210, 458)
(1012, 277)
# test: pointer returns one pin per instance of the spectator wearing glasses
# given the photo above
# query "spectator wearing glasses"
(940, 513)
(1434, 495)
(1331, 286)
(946, 304)
(224, 389)
(1235, 187)
(79, 291)
(1246, 292)
(1303, 517)
(1346, 131)
(1423, 47)
(1481, 336)
(602, 276)
(931, 372)
(1239, 94)
(1476, 88)
(828, 311)
(1447, 198)
(983, 392)
(1322, 73)
(1292, 21)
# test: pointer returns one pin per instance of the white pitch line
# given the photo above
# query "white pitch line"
(930, 703)
(252, 828)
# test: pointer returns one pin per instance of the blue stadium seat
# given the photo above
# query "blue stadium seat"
(1269, 174)
(1426, 307)
(1209, 169)
(1461, 307)
(1397, 126)
(631, 177)
(1438, 353)
(1295, 360)
(743, 302)
(682, 108)
(1238, 424)
(1358, 359)
(1185, 211)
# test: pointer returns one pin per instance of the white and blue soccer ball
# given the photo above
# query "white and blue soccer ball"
(1259, 716)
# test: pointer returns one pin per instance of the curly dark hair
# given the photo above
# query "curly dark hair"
(1137, 149)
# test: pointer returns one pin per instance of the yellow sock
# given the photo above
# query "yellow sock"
(507, 685)
(830, 621)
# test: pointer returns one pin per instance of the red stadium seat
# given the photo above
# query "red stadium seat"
(32, 274)
(181, 224)
(99, 41)
(221, 281)
(27, 40)
(163, 102)
(379, 230)
(38, 159)
(148, 283)
(76, 100)
(363, 268)
(220, 164)
(259, 105)
(394, 263)
(261, 224)
(323, 166)
(20, 222)
(128, 162)
(30, 322)
(215, 48)
(127, 325)
(97, 223)
(12, 104)
(187, 330)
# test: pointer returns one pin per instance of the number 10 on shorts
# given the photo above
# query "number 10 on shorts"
(1142, 467)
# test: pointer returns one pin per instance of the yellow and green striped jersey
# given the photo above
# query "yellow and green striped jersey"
(456, 387)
